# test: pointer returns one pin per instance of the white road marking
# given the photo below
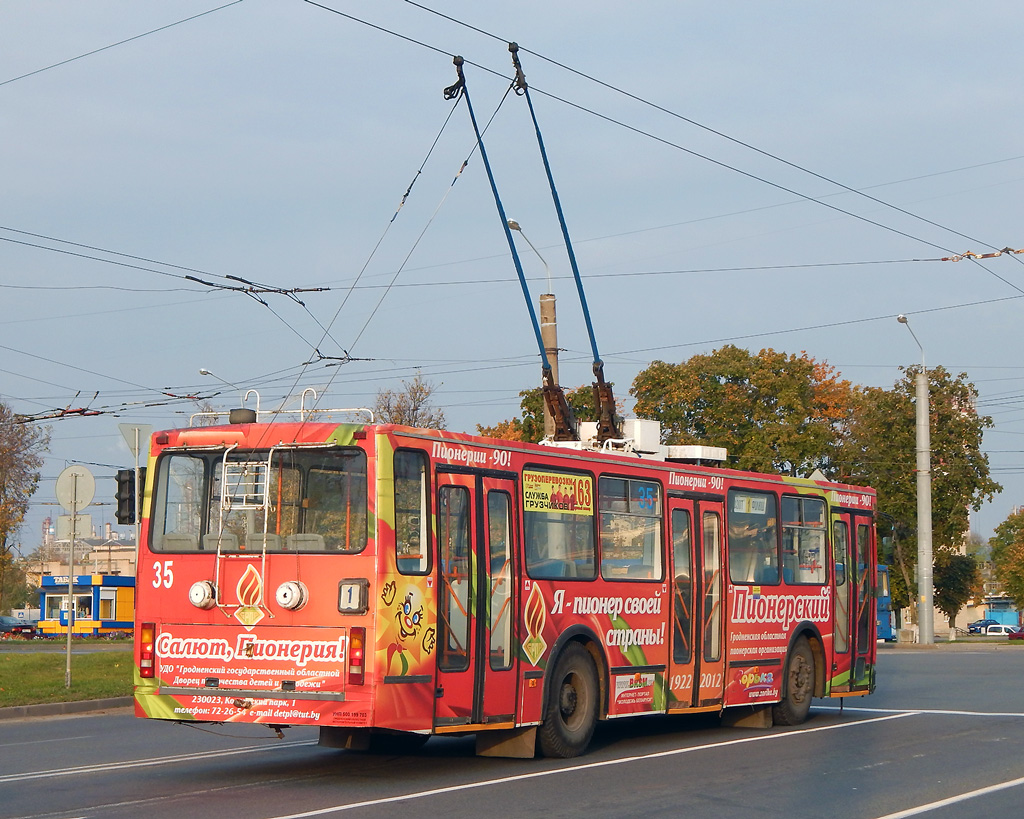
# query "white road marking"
(486, 783)
(885, 715)
(862, 710)
(954, 800)
(147, 763)
(43, 741)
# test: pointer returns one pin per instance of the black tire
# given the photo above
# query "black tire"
(572, 705)
(797, 686)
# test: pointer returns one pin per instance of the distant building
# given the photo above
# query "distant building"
(93, 555)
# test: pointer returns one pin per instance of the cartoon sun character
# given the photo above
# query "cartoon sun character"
(409, 620)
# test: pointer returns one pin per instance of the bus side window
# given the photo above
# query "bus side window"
(631, 537)
(753, 537)
(803, 540)
(412, 515)
(558, 525)
(335, 503)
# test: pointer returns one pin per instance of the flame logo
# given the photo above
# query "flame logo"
(535, 617)
(250, 587)
(250, 593)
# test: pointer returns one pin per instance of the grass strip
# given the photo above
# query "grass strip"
(27, 679)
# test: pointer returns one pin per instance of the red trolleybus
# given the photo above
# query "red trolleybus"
(387, 584)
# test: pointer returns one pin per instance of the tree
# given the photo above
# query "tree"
(205, 414)
(773, 412)
(14, 590)
(1008, 556)
(880, 450)
(21, 454)
(409, 406)
(530, 425)
(957, 579)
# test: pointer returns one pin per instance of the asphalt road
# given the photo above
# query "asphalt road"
(942, 737)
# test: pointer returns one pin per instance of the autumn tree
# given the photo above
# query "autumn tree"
(773, 412)
(1007, 546)
(14, 589)
(530, 425)
(21, 454)
(409, 406)
(880, 450)
(957, 579)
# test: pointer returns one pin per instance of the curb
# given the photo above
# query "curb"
(55, 709)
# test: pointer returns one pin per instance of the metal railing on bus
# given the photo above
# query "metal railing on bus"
(302, 414)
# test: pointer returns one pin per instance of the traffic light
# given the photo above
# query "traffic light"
(125, 495)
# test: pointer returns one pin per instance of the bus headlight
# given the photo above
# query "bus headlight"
(292, 595)
(203, 594)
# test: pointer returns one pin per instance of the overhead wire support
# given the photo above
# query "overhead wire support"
(607, 425)
(970, 255)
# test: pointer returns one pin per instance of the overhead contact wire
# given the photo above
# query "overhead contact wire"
(121, 42)
(455, 179)
(700, 125)
(405, 197)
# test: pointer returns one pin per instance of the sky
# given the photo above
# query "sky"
(781, 175)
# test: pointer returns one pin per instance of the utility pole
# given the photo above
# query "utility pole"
(925, 604)
(75, 490)
(548, 328)
(549, 335)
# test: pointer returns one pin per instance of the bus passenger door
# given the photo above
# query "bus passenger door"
(854, 571)
(697, 658)
(843, 583)
(476, 535)
(865, 575)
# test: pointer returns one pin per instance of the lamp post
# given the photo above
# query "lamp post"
(925, 606)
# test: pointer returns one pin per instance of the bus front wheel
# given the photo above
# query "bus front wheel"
(572, 705)
(798, 685)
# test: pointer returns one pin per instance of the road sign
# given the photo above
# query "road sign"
(76, 488)
(82, 526)
(136, 436)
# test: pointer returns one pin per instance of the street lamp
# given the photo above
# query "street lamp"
(548, 329)
(514, 225)
(204, 371)
(925, 608)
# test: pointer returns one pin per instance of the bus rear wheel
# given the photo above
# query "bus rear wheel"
(798, 685)
(571, 713)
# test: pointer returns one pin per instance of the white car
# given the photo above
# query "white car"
(1004, 630)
